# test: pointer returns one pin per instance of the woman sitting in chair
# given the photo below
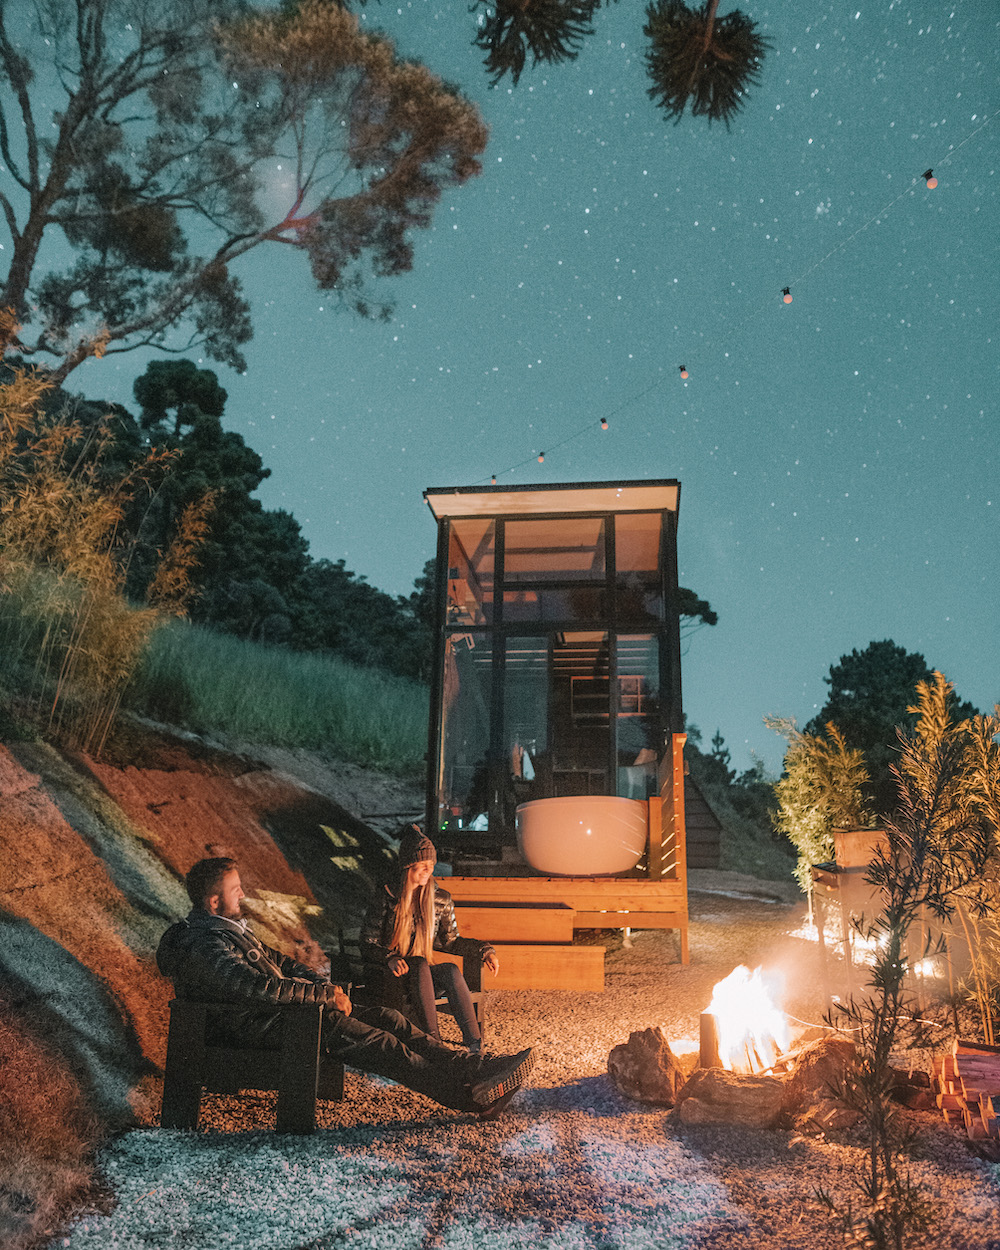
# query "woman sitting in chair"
(401, 930)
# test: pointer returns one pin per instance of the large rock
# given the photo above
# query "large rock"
(715, 1096)
(645, 1068)
(820, 1073)
(813, 1093)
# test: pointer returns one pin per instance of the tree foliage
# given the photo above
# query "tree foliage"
(148, 136)
(821, 789)
(697, 59)
(870, 696)
(693, 57)
(70, 639)
(940, 840)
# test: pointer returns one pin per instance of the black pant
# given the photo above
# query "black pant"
(385, 1043)
(414, 994)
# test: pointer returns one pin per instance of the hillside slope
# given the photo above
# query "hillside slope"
(92, 858)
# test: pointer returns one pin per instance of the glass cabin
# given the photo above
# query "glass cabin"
(557, 669)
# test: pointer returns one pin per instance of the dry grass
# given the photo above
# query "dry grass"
(70, 637)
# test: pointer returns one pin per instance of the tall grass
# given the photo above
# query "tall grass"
(206, 681)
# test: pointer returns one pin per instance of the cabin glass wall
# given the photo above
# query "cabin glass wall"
(555, 570)
(638, 541)
(463, 781)
(638, 720)
(471, 556)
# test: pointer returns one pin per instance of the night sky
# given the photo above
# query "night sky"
(838, 455)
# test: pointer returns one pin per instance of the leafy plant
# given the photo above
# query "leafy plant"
(938, 843)
(821, 789)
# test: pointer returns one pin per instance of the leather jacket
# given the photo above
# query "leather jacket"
(214, 960)
(376, 931)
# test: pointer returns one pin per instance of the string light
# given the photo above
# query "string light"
(493, 480)
(786, 292)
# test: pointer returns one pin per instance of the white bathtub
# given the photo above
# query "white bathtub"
(582, 835)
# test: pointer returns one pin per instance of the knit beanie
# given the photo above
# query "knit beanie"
(414, 846)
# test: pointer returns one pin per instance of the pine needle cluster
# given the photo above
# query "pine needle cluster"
(549, 30)
(696, 58)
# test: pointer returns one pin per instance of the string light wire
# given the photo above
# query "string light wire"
(580, 431)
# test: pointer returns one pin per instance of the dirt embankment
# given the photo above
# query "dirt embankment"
(92, 859)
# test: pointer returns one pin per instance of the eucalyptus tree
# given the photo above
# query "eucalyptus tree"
(151, 144)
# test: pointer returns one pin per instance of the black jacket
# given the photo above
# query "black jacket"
(376, 932)
(214, 960)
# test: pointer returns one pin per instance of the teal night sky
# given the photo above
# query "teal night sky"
(838, 455)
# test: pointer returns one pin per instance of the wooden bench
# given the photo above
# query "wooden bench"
(296, 1069)
(363, 980)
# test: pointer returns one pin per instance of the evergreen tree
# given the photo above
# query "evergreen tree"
(870, 696)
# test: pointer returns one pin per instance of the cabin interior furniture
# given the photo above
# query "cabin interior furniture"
(297, 1070)
(364, 980)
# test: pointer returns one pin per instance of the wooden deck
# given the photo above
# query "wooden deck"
(531, 920)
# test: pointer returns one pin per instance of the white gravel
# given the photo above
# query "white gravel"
(573, 1164)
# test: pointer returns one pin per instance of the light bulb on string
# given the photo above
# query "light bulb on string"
(493, 480)
(541, 457)
(683, 369)
(604, 423)
(929, 178)
(786, 294)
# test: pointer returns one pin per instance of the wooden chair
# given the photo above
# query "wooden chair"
(297, 1069)
(364, 981)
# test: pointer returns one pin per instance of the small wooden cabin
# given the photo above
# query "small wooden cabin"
(557, 673)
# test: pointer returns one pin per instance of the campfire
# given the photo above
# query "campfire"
(743, 1030)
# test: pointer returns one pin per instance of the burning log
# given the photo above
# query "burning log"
(708, 1042)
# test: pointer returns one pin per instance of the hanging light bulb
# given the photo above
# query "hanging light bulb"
(493, 480)
(604, 423)
(683, 369)
(786, 294)
(928, 175)
(541, 457)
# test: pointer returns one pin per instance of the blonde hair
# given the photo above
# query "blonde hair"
(413, 915)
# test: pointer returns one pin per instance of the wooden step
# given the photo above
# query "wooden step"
(528, 922)
(580, 893)
(546, 967)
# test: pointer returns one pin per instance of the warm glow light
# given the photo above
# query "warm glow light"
(931, 180)
(752, 1030)
(541, 457)
(684, 372)
(786, 293)
(604, 423)
(493, 480)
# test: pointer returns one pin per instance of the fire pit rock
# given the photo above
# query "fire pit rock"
(812, 1094)
(645, 1068)
(715, 1096)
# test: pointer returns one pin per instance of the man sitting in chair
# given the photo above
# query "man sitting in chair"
(212, 957)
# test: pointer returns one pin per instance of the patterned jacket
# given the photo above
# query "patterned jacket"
(376, 932)
(214, 960)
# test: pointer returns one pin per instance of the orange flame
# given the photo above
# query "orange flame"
(753, 1032)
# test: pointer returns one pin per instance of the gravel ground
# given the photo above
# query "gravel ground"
(573, 1164)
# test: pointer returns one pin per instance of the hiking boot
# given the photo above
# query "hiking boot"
(500, 1076)
(499, 1105)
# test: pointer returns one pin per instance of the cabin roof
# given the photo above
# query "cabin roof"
(658, 495)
